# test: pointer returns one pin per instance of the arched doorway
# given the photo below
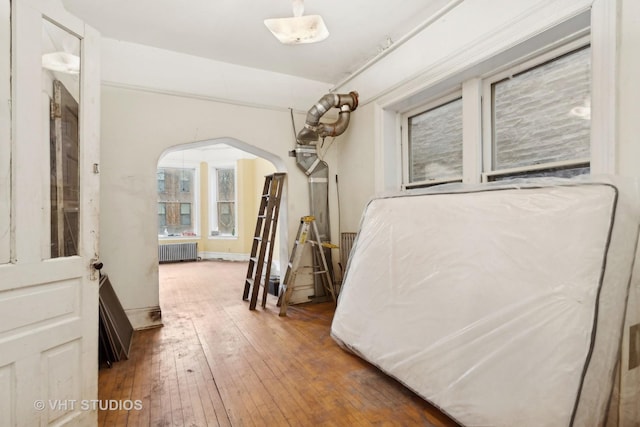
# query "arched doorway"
(209, 193)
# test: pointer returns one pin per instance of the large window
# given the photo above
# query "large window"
(177, 201)
(223, 201)
(434, 149)
(540, 118)
(531, 119)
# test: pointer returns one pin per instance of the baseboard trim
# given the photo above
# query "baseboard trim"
(145, 318)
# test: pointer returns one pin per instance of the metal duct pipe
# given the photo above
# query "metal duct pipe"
(313, 129)
(316, 169)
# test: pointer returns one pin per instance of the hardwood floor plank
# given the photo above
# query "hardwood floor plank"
(215, 363)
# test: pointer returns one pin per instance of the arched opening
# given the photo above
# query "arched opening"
(209, 194)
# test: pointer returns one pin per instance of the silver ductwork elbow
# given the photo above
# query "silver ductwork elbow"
(316, 169)
(313, 129)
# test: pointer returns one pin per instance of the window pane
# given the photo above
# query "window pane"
(185, 181)
(160, 175)
(226, 218)
(64, 141)
(64, 173)
(543, 115)
(185, 214)
(226, 184)
(435, 143)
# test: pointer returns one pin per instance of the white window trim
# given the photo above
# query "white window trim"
(195, 206)
(439, 101)
(604, 98)
(488, 159)
(213, 200)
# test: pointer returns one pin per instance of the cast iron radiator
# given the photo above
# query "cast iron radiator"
(178, 252)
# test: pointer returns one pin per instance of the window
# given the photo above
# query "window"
(223, 209)
(540, 122)
(177, 201)
(434, 143)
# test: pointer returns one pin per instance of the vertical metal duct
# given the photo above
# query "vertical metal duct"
(317, 170)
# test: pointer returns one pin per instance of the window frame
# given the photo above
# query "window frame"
(436, 102)
(489, 173)
(213, 200)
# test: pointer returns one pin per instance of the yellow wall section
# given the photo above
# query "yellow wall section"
(250, 175)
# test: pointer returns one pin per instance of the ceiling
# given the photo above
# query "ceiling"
(233, 30)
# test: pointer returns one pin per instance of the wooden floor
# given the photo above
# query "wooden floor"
(215, 363)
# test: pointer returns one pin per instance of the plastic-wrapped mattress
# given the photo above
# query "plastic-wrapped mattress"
(501, 305)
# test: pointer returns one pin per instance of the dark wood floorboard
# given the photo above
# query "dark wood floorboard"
(216, 363)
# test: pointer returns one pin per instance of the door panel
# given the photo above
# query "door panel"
(39, 304)
(48, 292)
(60, 366)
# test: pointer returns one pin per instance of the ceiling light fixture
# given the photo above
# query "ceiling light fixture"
(299, 29)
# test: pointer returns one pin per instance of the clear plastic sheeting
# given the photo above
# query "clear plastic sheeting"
(503, 305)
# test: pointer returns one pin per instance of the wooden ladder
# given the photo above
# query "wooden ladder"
(307, 234)
(259, 268)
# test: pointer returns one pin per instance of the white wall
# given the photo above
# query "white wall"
(356, 167)
(132, 65)
(137, 127)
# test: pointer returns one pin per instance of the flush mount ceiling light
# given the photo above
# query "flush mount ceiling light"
(298, 29)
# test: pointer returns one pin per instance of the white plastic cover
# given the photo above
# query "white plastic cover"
(501, 305)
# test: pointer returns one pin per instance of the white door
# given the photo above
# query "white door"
(49, 99)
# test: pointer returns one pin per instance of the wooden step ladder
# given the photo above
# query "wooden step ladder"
(259, 268)
(307, 235)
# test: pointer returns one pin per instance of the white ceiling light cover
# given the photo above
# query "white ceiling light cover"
(298, 29)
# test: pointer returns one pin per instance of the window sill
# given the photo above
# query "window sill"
(161, 238)
(223, 237)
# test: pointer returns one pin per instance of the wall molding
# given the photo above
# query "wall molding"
(145, 68)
